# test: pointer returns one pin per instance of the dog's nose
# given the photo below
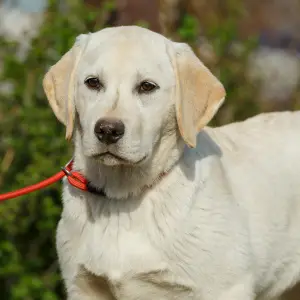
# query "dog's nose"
(109, 130)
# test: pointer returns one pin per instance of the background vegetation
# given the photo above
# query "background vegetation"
(32, 145)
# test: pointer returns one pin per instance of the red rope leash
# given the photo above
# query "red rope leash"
(75, 178)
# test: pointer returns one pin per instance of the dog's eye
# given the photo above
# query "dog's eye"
(147, 87)
(93, 83)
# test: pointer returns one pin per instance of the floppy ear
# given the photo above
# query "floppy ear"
(59, 85)
(199, 94)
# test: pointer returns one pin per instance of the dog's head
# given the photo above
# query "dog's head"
(118, 87)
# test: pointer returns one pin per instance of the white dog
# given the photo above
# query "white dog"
(166, 221)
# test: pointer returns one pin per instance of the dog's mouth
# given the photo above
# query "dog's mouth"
(109, 158)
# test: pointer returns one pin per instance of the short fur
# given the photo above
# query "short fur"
(217, 222)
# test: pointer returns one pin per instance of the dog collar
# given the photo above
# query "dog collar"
(77, 180)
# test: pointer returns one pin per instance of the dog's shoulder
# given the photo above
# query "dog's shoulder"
(264, 122)
(258, 132)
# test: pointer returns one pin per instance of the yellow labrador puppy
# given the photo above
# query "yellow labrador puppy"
(177, 210)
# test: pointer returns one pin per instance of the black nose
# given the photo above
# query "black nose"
(109, 130)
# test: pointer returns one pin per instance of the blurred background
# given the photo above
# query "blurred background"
(253, 46)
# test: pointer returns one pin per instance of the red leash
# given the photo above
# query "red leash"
(75, 178)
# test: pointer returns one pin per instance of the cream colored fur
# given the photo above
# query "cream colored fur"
(222, 223)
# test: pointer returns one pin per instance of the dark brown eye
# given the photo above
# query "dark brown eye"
(147, 86)
(93, 83)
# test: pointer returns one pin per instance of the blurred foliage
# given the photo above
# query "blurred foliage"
(32, 145)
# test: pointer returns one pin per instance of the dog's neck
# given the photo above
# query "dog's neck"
(122, 182)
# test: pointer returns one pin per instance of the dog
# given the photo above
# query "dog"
(181, 210)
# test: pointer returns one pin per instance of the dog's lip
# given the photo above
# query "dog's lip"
(110, 154)
(127, 161)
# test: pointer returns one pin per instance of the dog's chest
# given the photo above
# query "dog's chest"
(127, 257)
(112, 250)
(128, 267)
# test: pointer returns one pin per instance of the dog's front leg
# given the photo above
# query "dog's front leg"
(78, 294)
(87, 286)
(238, 293)
(80, 284)
(243, 290)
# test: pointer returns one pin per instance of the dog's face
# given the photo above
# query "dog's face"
(123, 84)
(124, 92)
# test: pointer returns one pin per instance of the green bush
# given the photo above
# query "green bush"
(32, 145)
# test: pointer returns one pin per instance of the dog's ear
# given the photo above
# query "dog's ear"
(60, 84)
(199, 94)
